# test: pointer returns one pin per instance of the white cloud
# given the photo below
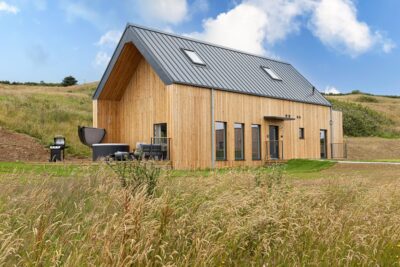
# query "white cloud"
(335, 23)
(331, 90)
(255, 24)
(283, 16)
(168, 11)
(102, 59)
(110, 38)
(8, 8)
(242, 28)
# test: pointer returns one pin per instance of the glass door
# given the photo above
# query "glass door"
(274, 142)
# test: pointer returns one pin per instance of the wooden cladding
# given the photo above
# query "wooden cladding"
(135, 99)
(122, 73)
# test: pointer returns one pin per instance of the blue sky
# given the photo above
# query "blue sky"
(337, 44)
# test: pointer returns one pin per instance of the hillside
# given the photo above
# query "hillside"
(42, 112)
(389, 107)
(381, 117)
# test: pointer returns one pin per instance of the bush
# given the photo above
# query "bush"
(367, 99)
(356, 92)
(69, 81)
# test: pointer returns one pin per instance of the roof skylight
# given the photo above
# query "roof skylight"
(272, 74)
(194, 57)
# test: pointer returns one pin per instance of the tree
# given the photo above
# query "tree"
(68, 81)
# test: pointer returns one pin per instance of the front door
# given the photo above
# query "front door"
(274, 142)
(324, 144)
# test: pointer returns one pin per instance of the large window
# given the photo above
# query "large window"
(220, 140)
(256, 141)
(239, 141)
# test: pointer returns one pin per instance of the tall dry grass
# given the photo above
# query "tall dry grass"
(237, 218)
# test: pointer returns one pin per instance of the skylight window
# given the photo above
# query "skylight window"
(272, 74)
(194, 57)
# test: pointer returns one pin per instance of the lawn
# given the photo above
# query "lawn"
(77, 215)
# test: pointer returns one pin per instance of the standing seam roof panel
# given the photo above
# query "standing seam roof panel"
(226, 69)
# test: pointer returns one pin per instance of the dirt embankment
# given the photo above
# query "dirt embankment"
(20, 147)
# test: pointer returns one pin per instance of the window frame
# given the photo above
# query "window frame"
(225, 141)
(242, 127)
(187, 52)
(258, 126)
(160, 139)
(271, 73)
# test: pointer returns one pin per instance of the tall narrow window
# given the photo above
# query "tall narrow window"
(220, 140)
(239, 141)
(256, 141)
(301, 133)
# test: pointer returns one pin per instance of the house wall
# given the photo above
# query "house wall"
(105, 116)
(238, 108)
(337, 118)
(192, 126)
(187, 111)
(143, 104)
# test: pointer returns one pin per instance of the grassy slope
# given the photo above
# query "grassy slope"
(375, 148)
(390, 107)
(223, 219)
(43, 112)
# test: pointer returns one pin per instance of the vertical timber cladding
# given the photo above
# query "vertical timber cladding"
(239, 108)
(337, 118)
(187, 112)
(105, 116)
(143, 104)
(190, 126)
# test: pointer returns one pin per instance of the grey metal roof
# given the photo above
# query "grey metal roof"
(226, 69)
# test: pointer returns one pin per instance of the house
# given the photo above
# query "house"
(211, 106)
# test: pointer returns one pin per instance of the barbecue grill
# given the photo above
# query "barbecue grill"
(57, 149)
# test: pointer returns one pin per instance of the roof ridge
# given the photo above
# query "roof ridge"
(204, 42)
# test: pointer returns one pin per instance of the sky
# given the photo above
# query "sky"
(339, 45)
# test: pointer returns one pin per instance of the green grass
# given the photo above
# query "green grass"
(307, 166)
(58, 170)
